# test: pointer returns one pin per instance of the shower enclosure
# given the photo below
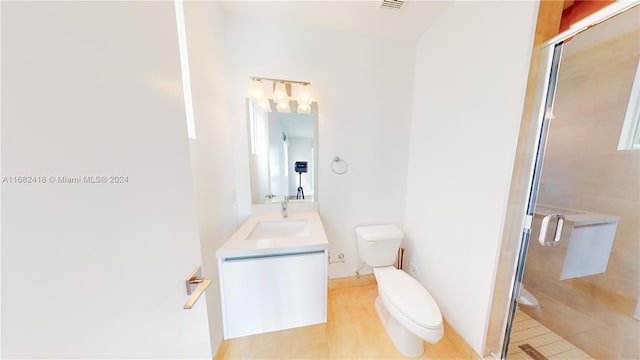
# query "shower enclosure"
(579, 257)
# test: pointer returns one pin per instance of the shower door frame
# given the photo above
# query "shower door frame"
(550, 54)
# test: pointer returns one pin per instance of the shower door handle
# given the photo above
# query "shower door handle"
(557, 232)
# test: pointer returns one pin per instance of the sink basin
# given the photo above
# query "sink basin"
(285, 228)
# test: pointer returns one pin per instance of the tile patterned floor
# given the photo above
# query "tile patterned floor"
(599, 325)
(527, 330)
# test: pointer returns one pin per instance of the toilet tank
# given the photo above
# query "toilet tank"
(378, 244)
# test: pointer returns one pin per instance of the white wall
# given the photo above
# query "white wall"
(211, 151)
(471, 74)
(362, 84)
(96, 270)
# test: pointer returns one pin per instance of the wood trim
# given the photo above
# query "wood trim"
(579, 10)
(547, 24)
(567, 3)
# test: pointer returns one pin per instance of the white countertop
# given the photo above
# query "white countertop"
(239, 246)
(577, 217)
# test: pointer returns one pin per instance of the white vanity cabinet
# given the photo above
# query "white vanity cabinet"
(269, 292)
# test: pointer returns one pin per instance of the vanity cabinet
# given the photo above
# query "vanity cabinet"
(269, 292)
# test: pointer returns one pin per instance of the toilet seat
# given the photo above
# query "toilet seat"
(410, 303)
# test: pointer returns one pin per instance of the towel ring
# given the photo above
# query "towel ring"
(339, 166)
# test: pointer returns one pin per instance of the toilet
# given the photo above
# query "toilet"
(407, 310)
(527, 301)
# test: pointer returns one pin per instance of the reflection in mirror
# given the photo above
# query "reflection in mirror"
(282, 154)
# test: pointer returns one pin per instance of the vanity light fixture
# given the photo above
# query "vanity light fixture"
(304, 100)
(304, 108)
(281, 95)
(305, 94)
(264, 105)
(283, 107)
(257, 94)
(256, 90)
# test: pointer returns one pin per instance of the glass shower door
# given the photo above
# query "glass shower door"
(581, 283)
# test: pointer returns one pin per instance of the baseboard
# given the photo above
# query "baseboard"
(459, 342)
(222, 350)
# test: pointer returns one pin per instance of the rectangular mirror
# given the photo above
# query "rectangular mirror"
(282, 154)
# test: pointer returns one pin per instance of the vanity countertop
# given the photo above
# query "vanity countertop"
(239, 246)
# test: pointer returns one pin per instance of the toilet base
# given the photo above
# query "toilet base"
(529, 303)
(405, 341)
(533, 311)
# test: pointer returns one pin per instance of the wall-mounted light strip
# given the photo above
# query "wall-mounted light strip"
(184, 66)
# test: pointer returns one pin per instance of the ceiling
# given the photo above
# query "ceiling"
(364, 17)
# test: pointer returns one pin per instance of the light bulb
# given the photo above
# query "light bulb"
(280, 93)
(305, 94)
(283, 107)
(256, 91)
(303, 108)
(264, 105)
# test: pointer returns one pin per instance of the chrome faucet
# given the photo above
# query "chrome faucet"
(285, 207)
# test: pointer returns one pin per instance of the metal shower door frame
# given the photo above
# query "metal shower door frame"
(551, 53)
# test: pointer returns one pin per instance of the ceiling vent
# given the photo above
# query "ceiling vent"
(396, 5)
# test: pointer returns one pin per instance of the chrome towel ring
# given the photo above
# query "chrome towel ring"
(339, 166)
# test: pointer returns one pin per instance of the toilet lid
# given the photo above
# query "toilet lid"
(409, 297)
(379, 232)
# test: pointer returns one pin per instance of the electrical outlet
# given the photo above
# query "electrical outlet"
(413, 271)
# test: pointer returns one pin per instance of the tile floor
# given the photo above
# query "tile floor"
(353, 331)
(527, 330)
(592, 323)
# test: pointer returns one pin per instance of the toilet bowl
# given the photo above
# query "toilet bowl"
(529, 303)
(408, 312)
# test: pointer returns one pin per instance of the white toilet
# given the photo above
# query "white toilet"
(407, 310)
(527, 301)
